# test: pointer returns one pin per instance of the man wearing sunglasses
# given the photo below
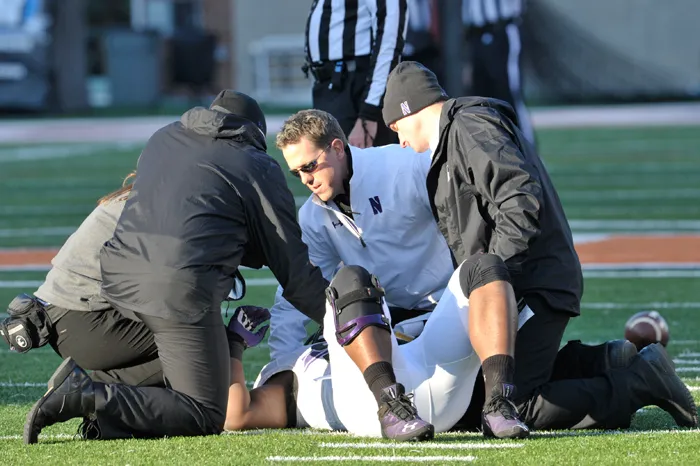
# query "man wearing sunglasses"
(369, 207)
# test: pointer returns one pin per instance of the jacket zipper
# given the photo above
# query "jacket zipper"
(350, 222)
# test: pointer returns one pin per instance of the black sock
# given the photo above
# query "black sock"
(499, 371)
(379, 376)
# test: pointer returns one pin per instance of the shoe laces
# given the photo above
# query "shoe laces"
(402, 406)
(504, 406)
(87, 430)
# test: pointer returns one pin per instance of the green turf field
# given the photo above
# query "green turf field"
(610, 180)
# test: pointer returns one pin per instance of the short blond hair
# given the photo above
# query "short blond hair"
(319, 127)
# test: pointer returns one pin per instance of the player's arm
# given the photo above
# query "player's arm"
(288, 325)
(390, 18)
(263, 407)
(272, 215)
(507, 181)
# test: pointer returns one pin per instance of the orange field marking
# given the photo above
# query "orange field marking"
(627, 249)
(27, 256)
(641, 249)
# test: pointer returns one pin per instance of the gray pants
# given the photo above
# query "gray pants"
(196, 366)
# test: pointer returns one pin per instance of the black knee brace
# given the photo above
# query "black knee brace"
(356, 299)
(480, 269)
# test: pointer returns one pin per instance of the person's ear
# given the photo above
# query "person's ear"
(339, 148)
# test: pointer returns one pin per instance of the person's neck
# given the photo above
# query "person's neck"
(432, 124)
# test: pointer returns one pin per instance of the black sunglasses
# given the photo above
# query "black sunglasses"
(311, 166)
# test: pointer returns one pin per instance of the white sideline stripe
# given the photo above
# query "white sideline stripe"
(36, 283)
(421, 446)
(686, 361)
(379, 459)
(689, 355)
(687, 369)
(139, 129)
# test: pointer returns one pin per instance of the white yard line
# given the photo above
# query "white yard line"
(36, 283)
(41, 436)
(30, 153)
(378, 459)
(688, 369)
(254, 282)
(25, 268)
(652, 305)
(33, 232)
(627, 194)
(22, 384)
(634, 225)
(422, 446)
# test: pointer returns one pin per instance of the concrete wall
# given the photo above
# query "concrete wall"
(255, 19)
(659, 35)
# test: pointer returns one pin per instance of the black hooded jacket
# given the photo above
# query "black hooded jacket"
(491, 193)
(206, 199)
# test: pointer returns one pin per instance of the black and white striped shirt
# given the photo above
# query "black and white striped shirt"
(480, 13)
(345, 29)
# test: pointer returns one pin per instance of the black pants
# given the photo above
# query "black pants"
(495, 59)
(114, 348)
(562, 389)
(196, 366)
(343, 101)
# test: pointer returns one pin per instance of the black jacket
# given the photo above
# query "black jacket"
(206, 199)
(491, 193)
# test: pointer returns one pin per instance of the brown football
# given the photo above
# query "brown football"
(645, 328)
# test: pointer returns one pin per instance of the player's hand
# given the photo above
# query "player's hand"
(245, 321)
(363, 133)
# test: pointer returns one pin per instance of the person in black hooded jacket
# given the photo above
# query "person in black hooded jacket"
(496, 205)
(206, 199)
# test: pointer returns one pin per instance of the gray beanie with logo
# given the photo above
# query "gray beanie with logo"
(410, 88)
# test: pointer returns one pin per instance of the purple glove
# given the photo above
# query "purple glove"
(244, 322)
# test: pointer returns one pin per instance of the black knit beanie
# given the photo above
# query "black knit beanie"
(241, 105)
(410, 88)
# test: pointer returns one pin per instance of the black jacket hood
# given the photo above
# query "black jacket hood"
(455, 105)
(220, 125)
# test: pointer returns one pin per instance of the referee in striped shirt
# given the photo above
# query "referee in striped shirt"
(493, 37)
(351, 46)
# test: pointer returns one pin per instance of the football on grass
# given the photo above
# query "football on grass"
(645, 328)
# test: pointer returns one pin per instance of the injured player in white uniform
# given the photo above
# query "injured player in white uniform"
(321, 386)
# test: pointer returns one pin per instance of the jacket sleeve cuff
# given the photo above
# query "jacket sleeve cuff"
(370, 112)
